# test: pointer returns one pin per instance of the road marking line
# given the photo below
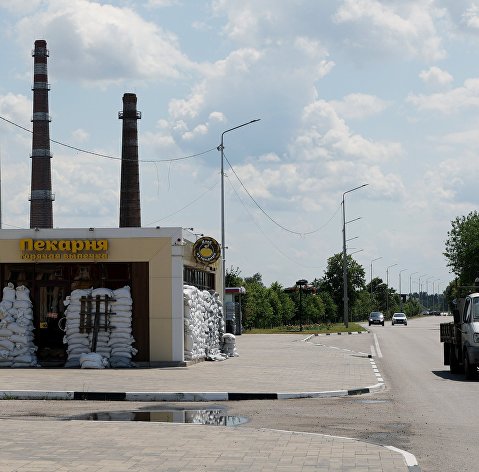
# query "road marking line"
(373, 352)
(376, 342)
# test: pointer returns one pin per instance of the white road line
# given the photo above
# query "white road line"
(376, 342)
(373, 352)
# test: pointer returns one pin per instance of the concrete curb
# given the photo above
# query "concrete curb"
(178, 396)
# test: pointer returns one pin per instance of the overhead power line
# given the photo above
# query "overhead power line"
(299, 233)
(106, 156)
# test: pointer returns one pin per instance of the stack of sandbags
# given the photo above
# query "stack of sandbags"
(121, 339)
(77, 343)
(17, 348)
(203, 323)
(114, 344)
(228, 345)
(93, 360)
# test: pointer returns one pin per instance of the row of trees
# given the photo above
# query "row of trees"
(320, 302)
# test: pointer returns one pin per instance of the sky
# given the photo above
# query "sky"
(348, 92)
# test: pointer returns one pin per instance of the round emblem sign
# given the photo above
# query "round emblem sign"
(206, 250)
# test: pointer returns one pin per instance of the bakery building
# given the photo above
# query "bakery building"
(155, 263)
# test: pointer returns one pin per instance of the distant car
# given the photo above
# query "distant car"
(399, 318)
(376, 317)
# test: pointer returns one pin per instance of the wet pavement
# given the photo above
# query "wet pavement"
(268, 366)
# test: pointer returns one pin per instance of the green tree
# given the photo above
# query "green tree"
(258, 311)
(462, 248)
(313, 308)
(412, 307)
(332, 282)
(285, 306)
(365, 303)
(330, 308)
(232, 277)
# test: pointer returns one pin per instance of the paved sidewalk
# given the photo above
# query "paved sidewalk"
(268, 366)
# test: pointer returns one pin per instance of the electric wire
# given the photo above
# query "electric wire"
(209, 189)
(106, 156)
(299, 233)
(294, 261)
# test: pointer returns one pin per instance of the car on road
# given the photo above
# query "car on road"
(376, 317)
(399, 318)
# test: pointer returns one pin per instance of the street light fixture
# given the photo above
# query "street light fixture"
(371, 282)
(427, 289)
(410, 277)
(223, 245)
(387, 287)
(301, 283)
(400, 292)
(345, 270)
(419, 287)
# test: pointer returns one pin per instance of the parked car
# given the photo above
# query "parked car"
(376, 317)
(399, 318)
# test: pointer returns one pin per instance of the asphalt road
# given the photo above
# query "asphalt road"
(424, 410)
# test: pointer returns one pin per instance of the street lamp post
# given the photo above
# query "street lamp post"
(427, 290)
(410, 286)
(223, 245)
(301, 283)
(387, 287)
(419, 287)
(400, 292)
(371, 283)
(345, 269)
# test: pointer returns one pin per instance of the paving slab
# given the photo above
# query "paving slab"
(268, 366)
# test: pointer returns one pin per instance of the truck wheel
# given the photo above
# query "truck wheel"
(470, 370)
(454, 365)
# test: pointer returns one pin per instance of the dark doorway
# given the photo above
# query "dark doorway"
(49, 323)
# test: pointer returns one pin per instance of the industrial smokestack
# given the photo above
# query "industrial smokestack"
(41, 197)
(130, 181)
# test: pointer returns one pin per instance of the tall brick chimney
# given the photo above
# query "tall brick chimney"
(130, 215)
(41, 197)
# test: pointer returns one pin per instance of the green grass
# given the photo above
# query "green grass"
(308, 329)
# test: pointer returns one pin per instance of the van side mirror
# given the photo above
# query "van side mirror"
(456, 315)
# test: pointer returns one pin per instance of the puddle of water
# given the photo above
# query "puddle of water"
(204, 417)
(372, 401)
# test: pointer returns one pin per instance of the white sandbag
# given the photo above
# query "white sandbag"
(17, 329)
(78, 293)
(6, 344)
(26, 358)
(22, 304)
(123, 292)
(22, 293)
(21, 338)
(5, 332)
(9, 292)
(118, 362)
(92, 360)
(102, 292)
(126, 301)
(5, 363)
(5, 305)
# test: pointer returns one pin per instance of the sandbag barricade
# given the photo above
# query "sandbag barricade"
(17, 348)
(203, 324)
(113, 344)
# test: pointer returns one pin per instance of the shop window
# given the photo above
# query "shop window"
(199, 278)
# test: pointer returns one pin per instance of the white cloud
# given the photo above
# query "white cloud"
(80, 135)
(407, 27)
(16, 108)
(326, 135)
(451, 101)
(359, 105)
(103, 43)
(436, 76)
(471, 17)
